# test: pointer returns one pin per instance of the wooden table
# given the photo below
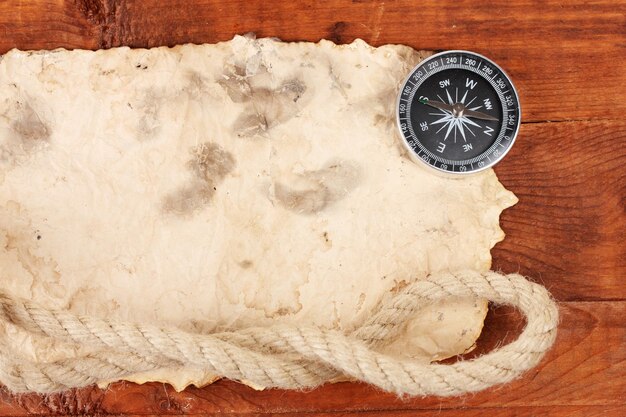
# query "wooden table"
(568, 168)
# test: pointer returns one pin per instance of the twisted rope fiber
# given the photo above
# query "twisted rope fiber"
(285, 356)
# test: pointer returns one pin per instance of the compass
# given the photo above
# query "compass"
(458, 112)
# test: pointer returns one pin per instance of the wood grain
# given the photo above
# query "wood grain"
(569, 411)
(45, 25)
(567, 231)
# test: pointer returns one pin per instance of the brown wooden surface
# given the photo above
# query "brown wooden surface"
(568, 167)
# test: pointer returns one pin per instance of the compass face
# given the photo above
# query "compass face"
(458, 112)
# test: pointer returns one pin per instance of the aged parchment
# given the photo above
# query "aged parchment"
(224, 186)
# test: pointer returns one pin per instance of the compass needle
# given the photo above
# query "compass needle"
(475, 111)
(479, 115)
(447, 108)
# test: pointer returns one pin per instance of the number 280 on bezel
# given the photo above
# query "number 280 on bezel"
(458, 112)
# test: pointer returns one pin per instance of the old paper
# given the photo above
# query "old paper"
(214, 187)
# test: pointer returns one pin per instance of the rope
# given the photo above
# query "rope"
(285, 356)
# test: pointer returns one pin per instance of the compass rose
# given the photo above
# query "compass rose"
(454, 117)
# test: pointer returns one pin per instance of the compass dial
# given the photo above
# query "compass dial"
(458, 112)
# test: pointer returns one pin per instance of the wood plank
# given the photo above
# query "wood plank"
(556, 411)
(49, 24)
(564, 59)
(567, 231)
(585, 371)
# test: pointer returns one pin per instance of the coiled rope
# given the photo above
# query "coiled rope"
(285, 356)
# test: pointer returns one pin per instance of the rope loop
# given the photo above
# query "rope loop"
(285, 356)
